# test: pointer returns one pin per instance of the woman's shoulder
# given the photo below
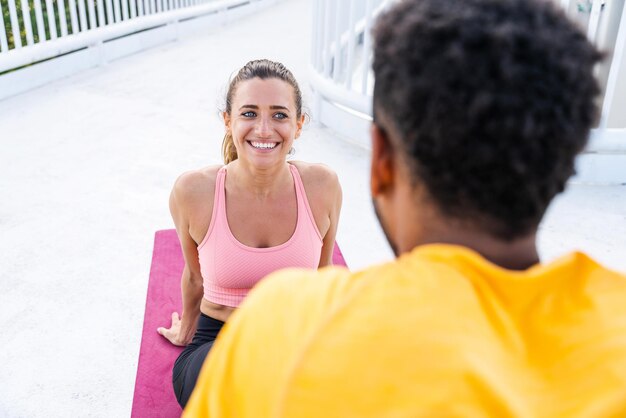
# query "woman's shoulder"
(316, 174)
(194, 183)
(321, 185)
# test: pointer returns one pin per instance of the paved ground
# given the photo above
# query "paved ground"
(86, 166)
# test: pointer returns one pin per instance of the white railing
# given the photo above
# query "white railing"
(340, 73)
(80, 34)
(605, 24)
(342, 80)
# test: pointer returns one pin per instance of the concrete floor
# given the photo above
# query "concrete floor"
(86, 166)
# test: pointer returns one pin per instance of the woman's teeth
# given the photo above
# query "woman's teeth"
(263, 145)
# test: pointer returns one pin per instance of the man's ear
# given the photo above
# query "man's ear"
(382, 164)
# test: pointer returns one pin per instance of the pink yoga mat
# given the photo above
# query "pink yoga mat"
(154, 396)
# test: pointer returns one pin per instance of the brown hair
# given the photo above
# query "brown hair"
(262, 69)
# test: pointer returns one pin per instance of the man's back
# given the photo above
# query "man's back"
(440, 331)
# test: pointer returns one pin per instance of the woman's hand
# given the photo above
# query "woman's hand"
(173, 332)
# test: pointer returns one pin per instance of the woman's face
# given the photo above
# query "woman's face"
(263, 121)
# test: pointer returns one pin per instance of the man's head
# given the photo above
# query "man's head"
(484, 104)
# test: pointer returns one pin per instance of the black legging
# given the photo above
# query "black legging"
(187, 365)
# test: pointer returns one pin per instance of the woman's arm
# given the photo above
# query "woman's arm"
(182, 329)
(333, 196)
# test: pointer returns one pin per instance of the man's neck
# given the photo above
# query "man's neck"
(428, 225)
(518, 254)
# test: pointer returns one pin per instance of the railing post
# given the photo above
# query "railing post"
(326, 53)
(73, 16)
(117, 14)
(82, 15)
(15, 27)
(315, 48)
(4, 44)
(319, 35)
(100, 7)
(594, 20)
(28, 27)
(336, 52)
(62, 18)
(91, 11)
(614, 71)
(133, 9)
(314, 31)
(140, 9)
(52, 26)
(351, 44)
(366, 45)
(41, 29)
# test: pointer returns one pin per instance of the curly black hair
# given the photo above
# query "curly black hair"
(490, 101)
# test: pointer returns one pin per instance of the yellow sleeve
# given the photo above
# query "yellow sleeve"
(245, 370)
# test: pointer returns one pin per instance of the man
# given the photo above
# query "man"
(480, 107)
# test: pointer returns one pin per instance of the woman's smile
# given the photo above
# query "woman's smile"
(263, 145)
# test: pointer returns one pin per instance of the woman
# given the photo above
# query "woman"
(256, 214)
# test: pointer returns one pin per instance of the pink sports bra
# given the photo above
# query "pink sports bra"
(230, 269)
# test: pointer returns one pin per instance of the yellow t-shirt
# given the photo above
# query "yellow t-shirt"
(438, 332)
